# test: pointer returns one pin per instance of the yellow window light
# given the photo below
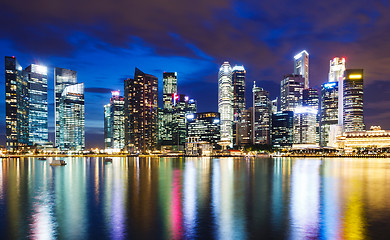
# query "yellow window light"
(355, 76)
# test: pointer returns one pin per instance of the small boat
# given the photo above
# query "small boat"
(108, 159)
(42, 158)
(58, 163)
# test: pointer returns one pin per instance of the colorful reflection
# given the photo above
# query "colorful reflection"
(186, 198)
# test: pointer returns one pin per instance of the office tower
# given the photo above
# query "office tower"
(329, 110)
(282, 129)
(107, 127)
(204, 126)
(114, 122)
(141, 99)
(182, 106)
(245, 128)
(169, 88)
(165, 125)
(71, 118)
(353, 100)
(16, 105)
(62, 79)
(261, 116)
(291, 91)
(225, 103)
(38, 112)
(311, 99)
(275, 105)
(238, 77)
(301, 66)
(336, 74)
(305, 119)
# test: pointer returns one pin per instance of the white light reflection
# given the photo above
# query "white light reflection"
(190, 199)
(304, 209)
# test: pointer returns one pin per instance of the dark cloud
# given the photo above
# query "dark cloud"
(98, 90)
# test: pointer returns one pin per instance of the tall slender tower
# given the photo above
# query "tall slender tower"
(114, 122)
(301, 66)
(62, 79)
(141, 112)
(336, 74)
(353, 100)
(16, 105)
(38, 112)
(225, 103)
(261, 122)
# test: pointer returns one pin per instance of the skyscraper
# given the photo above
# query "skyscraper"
(329, 110)
(305, 119)
(261, 115)
(141, 109)
(353, 100)
(71, 118)
(282, 129)
(291, 92)
(114, 122)
(301, 66)
(225, 103)
(166, 123)
(245, 128)
(204, 126)
(16, 105)
(311, 99)
(238, 77)
(336, 74)
(62, 79)
(38, 111)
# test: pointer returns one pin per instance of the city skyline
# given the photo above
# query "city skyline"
(82, 45)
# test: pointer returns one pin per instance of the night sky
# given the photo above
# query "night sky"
(104, 40)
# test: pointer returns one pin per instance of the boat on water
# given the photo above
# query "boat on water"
(42, 158)
(58, 163)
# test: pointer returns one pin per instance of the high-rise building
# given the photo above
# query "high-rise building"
(238, 77)
(336, 74)
(169, 88)
(305, 119)
(282, 129)
(291, 92)
(38, 111)
(245, 128)
(62, 79)
(71, 118)
(261, 115)
(311, 99)
(353, 100)
(166, 123)
(329, 110)
(182, 106)
(141, 109)
(301, 66)
(114, 122)
(16, 105)
(225, 103)
(204, 126)
(275, 105)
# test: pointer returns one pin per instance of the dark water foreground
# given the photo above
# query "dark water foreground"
(166, 198)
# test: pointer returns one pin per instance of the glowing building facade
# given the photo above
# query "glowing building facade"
(114, 122)
(16, 105)
(282, 129)
(336, 74)
(261, 115)
(329, 110)
(62, 79)
(225, 103)
(71, 118)
(238, 76)
(301, 66)
(38, 111)
(204, 126)
(353, 100)
(305, 119)
(291, 92)
(141, 112)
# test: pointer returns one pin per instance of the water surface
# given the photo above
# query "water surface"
(204, 198)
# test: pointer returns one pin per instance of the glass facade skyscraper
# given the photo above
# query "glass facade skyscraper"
(62, 79)
(72, 120)
(282, 129)
(336, 74)
(225, 103)
(38, 111)
(238, 77)
(329, 110)
(166, 116)
(353, 100)
(291, 92)
(114, 122)
(301, 66)
(16, 105)
(204, 126)
(261, 115)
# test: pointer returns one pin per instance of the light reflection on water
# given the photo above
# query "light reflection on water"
(176, 198)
